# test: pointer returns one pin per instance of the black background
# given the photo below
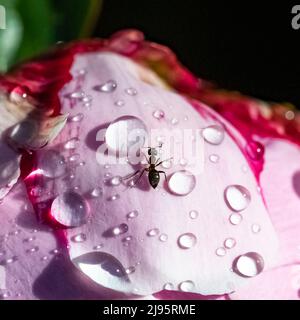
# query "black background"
(245, 46)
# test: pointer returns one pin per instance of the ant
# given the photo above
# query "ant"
(153, 162)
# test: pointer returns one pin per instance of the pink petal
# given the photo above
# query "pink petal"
(150, 263)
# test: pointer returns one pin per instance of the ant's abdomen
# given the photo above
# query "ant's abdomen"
(154, 178)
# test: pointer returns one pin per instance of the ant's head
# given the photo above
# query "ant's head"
(153, 151)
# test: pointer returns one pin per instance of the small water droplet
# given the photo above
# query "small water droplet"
(163, 237)
(32, 250)
(79, 238)
(74, 158)
(107, 87)
(132, 214)
(158, 114)
(54, 251)
(182, 182)
(248, 265)
(44, 258)
(168, 286)
(30, 239)
(214, 158)
(11, 260)
(121, 229)
(167, 164)
(186, 286)
(183, 162)
(221, 252)
(77, 118)
(235, 219)
(131, 91)
(229, 243)
(255, 150)
(120, 103)
(193, 214)
(115, 181)
(96, 192)
(153, 232)
(4, 295)
(130, 270)
(87, 99)
(71, 144)
(77, 95)
(113, 197)
(187, 240)
(70, 209)
(98, 247)
(174, 121)
(237, 197)
(52, 164)
(213, 134)
(127, 239)
(255, 228)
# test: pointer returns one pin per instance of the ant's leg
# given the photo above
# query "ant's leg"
(164, 175)
(140, 176)
(131, 175)
(158, 164)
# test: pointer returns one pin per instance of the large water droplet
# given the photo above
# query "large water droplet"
(79, 238)
(70, 209)
(186, 286)
(107, 87)
(52, 163)
(158, 114)
(255, 150)
(126, 133)
(187, 241)
(237, 197)
(249, 265)
(182, 182)
(213, 134)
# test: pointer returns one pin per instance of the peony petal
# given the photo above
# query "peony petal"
(154, 258)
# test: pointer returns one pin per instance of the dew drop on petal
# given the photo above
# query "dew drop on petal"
(107, 87)
(96, 192)
(52, 164)
(193, 214)
(77, 118)
(158, 114)
(221, 252)
(132, 214)
(174, 121)
(163, 237)
(120, 103)
(121, 229)
(153, 232)
(130, 270)
(32, 250)
(71, 144)
(11, 260)
(237, 197)
(131, 91)
(214, 158)
(113, 197)
(182, 182)
(167, 164)
(70, 209)
(115, 181)
(235, 219)
(98, 247)
(229, 243)
(213, 134)
(77, 95)
(249, 265)
(79, 238)
(168, 286)
(255, 228)
(187, 240)
(124, 134)
(255, 150)
(186, 286)
(183, 162)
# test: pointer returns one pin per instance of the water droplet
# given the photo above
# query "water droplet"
(237, 197)
(121, 229)
(32, 250)
(183, 162)
(79, 238)
(77, 118)
(130, 270)
(44, 258)
(18, 94)
(82, 72)
(127, 239)
(235, 219)
(54, 251)
(186, 286)
(132, 214)
(52, 164)
(214, 158)
(131, 91)
(168, 286)
(4, 295)
(77, 95)
(11, 260)
(71, 144)
(30, 239)
(163, 237)
(98, 247)
(87, 99)
(107, 87)
(115, 181)
(255, 228)
(120, 103)
(229, 243)
(187, 241)
(124, 134)
(213, 134)
(255, 150)
(182, 182)
(113, 197)
(70, 209)
(290, 115)
(249, 265)
(158, 114)
(167, 164)
(74, 158)
(221, 252)
(174, 121)
(193, 214)
(96, 192)
(153, 232)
